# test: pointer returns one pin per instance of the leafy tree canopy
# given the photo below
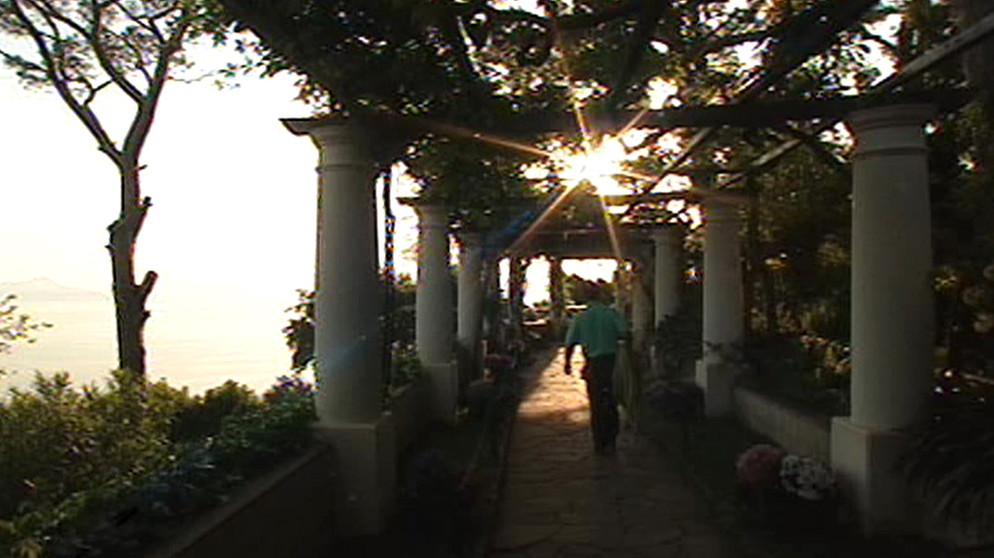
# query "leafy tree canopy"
(475, 62)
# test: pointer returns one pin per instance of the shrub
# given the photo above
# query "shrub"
(202, 416)
(952, 465)
(405, 365)
(56, 440)
(96, 471)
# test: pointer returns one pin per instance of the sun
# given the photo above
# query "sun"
(599, 164)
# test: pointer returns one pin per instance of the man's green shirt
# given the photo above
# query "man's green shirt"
(597, 330)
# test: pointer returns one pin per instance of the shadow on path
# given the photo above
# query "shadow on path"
(560, 499)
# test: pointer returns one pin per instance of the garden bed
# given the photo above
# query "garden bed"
(449, 484)
(706, 451)
(294, 501)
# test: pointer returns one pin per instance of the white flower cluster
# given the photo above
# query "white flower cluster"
(806, 477)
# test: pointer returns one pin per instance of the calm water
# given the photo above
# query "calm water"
(195, 345)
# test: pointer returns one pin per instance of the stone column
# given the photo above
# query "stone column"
(622, 285)
(557, 298)
(892, 314)
(641, 310)
(470, 305)
(347, 331)
(493, 309)
(667, 271)
(517, 269)
(724, 318)
(434, 329)
(666, 279)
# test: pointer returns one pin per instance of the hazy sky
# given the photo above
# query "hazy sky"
(231, 231)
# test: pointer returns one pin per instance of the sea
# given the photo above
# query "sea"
(196, 344)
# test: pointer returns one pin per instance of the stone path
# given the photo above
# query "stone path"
(561, 500)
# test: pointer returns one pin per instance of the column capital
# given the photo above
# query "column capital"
(342, 142)
(432, 216)
(890, 129)
(667, 234)
(469, 239)
(720, 211)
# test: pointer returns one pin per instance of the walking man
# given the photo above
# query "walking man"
(597, 330)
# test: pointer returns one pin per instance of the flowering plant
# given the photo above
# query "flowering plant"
(807, 478)
(759, 466)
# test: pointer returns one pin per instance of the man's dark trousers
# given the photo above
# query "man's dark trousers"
(603, 408)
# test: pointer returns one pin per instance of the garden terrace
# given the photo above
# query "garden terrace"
(338, 47)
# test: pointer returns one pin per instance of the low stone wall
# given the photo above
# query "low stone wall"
(411, 411)
(286, 513)
(797, 432)
(289, 512)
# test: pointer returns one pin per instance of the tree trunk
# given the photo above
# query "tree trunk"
(129, 297)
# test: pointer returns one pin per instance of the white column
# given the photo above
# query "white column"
(723, 305)
(667, 273)
(492, 309)
(517, 274)
(348, 304)
(470, 302)
(434, 329)
(347, 331)
(724, 320)
(892, 316)
(641, 310)
(557, 298)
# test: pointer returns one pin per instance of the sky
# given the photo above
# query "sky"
(231, 231)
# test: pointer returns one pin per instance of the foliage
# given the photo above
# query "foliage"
(80, 477)
(952, 465)
(798, 243)
(15, 327)
(578, 290)
(56, 440)
(405, 366)
(202, 415)
(90, 51)
(480, 185)
(809, 372)
(679, 340)
(299, 332)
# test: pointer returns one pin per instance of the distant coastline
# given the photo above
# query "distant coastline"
(193, 345)
(43, 290)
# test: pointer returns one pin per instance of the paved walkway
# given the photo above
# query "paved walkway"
(561, 500)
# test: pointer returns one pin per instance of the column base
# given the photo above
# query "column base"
(865, 463)
(469, 355)
(365, 458)
(444, 381)
(717, 380)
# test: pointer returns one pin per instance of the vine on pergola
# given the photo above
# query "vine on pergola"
(474, 69)
(476, 64)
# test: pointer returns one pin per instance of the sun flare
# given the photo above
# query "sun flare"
(600, 165)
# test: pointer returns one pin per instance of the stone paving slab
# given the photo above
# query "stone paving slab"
(562, 500)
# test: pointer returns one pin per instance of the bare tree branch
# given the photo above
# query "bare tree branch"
(140, 126)
(61, 83)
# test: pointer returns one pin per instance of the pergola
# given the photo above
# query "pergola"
(891, 297)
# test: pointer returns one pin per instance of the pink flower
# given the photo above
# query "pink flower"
(759, 466)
